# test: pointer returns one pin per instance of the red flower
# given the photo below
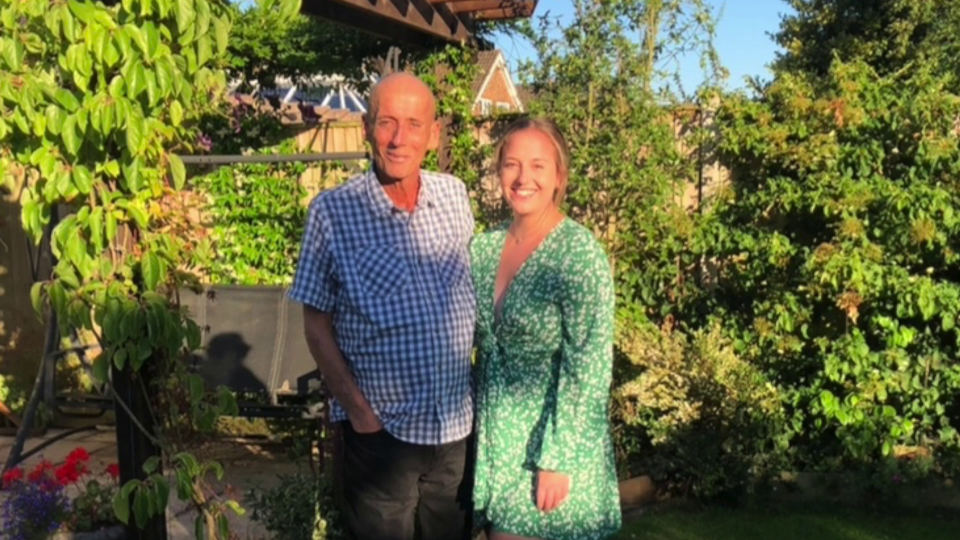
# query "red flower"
(13, 475)
(113, 470)
(79, 454)
(69, 473)
(40, 470)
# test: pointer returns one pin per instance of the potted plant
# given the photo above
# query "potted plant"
(65, 502)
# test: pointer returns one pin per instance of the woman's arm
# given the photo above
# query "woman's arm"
(583, 385)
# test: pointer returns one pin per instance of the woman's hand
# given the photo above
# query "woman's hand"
(552, 490)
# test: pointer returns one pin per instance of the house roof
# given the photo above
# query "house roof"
(486, 61)
(489, 61)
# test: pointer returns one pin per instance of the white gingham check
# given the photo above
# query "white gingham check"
(399, 288)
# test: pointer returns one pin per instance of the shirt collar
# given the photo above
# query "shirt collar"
(382, 203)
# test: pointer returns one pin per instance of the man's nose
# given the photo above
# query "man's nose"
(398, 136)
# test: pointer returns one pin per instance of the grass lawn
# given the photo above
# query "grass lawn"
(802, 524)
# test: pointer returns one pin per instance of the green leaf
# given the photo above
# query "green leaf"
(193, 335)
(141, 507)
(95, 224)
(111, 228)
(150, 268)
(137, 80)
(189, 462)
(153, 40)
(235, 506)
(223, 526)
(76, 249)
(111, 55)
(36, 297)
(66, 99)
(204, 53)
(58, 297)
(151, 85)
(12, 52)
(217, 469)
(121, 506)
(55, 119)
(117, 86)
(134, 134)
(120, 358)
(178, 171)
(195, 384)
(185, 14)
(184, 485)
(162, 490)
(82, 10)
(151, 464)
(221, 32)
(98, 38)
(948, 321)
(138, 37)
(101, 367)
(138, 214)
(68, 132)
(83, 179)
(176, 113)
(199, 528)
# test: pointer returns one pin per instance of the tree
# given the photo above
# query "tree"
(609, 93)
(95, 102)
(889, 35)
(265, 45)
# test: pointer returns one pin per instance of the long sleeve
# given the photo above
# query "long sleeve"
(586, 360)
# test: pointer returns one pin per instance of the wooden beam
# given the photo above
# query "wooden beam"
(411, 21)
(470, 6)
(514, 11)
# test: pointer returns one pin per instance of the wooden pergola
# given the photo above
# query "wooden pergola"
(419, 21)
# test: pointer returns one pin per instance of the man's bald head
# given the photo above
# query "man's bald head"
(400, 83)
(401, 127)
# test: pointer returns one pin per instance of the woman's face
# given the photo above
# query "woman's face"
(529, 174)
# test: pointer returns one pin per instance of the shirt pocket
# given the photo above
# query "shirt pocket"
(381, 277)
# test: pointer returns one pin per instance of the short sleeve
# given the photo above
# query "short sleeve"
(315, 283)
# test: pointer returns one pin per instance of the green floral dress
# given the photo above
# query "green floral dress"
(543, 386)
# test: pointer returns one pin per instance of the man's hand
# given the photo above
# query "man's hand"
(366, 424)
(552, 490)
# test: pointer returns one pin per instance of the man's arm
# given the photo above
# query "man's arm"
(318, 327)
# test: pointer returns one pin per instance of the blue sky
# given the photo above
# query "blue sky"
(742, 39)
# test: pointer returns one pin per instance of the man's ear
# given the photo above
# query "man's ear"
(434, 142)
(367, 132)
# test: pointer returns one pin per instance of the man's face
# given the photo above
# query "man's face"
(401, 131)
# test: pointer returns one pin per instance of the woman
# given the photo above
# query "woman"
(545, 464)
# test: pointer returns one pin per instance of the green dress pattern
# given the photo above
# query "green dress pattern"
(543, 386)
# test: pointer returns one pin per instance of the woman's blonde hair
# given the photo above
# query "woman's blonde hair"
(550, 129)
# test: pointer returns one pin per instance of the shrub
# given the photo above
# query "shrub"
(713, 422)
(299, 507)
(836, 252)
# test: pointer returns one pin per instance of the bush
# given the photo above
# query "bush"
(299, 507)
(836, 251)
(258, 213)
(713, 424)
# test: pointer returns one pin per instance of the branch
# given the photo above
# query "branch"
(123, 405)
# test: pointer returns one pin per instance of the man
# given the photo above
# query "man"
(389, 316)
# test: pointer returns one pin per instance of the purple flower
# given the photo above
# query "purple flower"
(897, 479)
(32, 509)
(204, 142)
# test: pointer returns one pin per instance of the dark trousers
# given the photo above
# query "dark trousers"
(394, 490)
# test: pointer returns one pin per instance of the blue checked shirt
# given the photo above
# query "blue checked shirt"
(398, 285)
